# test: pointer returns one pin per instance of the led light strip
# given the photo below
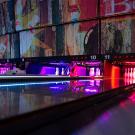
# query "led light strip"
(32, 83)
(47, 77)
(16, 77)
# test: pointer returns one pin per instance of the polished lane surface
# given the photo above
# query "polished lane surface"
(19, 98)
(116, 119)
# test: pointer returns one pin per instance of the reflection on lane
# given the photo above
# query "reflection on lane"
(24, 97)
(118, 120)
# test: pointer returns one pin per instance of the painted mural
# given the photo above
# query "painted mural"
(33, 13)
(26, 14)
(118, 35)
(14, 45)
(75, 33)
(37, 43)
(9, 46)
(6, 17)
(4, 47)
(112, 7)
(73, 10)
(81, 38)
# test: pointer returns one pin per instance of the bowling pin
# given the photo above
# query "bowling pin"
(134, 73)
(133, 80)
(62, 73)
(128, 72)
(97, 71)
(68, 72)
(57, 71)
(125, 73)
(91, 72)
(131, 72)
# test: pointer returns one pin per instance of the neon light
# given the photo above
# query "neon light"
(134, 73)
(115, 74)
(78, 71)
(132, 97)
(91, 82)
(47, 71)
(93, 63)
(35, 83)
(130, 63)
(3, 70)
(130, 72)
(54, 87)
(97, 82)
(91, 90)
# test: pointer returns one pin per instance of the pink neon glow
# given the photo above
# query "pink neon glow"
(47, 71)
(93, 63)
(90, 90)
(129, 76)
(130, 72)
(78, 71)
(133, 80)
(98, 82)
(132, 97)
(134, 73)
(3, 70)
(130, 63)
(105, 117)
(92, 82)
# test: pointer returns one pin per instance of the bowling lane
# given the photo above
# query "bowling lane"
(19, 98)
(118, 120)
(114, 117)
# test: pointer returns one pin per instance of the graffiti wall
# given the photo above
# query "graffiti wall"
(39, 28)
(37, 43)
(4, 47)
(64, 40)
(26, 14)
(6, 17)
(112, 7)
(73, 10)
(118, 35)
(14, 45)
(32, 13)
(9, 46)
(81, 38)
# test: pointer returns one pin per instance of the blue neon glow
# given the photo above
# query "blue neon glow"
(32, 83)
